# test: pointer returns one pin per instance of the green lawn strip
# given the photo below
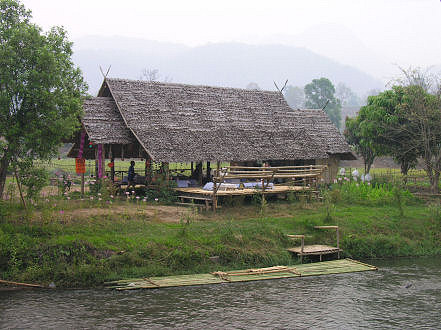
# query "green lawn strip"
(88, 252)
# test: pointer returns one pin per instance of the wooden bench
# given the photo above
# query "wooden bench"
(320, 250)
(207, 201)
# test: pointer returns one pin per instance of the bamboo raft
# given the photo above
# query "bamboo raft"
(276, 272)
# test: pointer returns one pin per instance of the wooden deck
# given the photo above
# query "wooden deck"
(245, 191)
(276, 272)
(315, 249)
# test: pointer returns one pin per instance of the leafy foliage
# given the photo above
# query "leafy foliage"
(34, 178)
(318, 93)
(361, 142)
(40, 88)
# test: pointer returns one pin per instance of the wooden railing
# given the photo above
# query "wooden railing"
(266, 174)
(282, 172)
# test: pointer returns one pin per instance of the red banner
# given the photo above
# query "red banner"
(80, 165)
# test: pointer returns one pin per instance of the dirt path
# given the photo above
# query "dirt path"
(159, 213)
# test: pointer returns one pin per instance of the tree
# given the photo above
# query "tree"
(422, 107)
(424, 110)
(318, 93)
(253, 86)
(388, 127)
(371, 92)
(346, 96)
(41, 90)
(153, 75)
(363, 144)
(295, 97)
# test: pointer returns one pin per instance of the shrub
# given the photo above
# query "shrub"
(34, 178)
(360, 192)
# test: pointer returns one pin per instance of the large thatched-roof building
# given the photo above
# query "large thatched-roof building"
(170, 123)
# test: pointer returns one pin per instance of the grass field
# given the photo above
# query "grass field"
(84, 243)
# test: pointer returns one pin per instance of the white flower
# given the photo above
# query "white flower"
(133, 191)
(111, 196)
(99, 194)
(137, 197)
(91, 198)
(100, 199)
(156, 199)
(68, 198)
(127, 193)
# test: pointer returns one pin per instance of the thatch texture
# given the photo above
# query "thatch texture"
(322, 132)
(180, 123)
(103, 122)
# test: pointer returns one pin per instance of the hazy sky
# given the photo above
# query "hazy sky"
(405, 32)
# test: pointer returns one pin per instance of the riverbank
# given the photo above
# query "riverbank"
(74, 248)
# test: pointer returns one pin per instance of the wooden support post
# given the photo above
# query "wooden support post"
(217, 168)
(96, 161)
(199, 173)
(82, 184)
(112, 160)
(103, 161)
(166, 171)
(192, 169)
(208, 171)
(214, 199)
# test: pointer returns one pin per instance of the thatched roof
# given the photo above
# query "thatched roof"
(103, 122)
(176, 122)
(183, 123)
(322, 131)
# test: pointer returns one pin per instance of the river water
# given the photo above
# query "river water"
(403, 294)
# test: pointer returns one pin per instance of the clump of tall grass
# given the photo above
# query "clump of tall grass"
(365, 192)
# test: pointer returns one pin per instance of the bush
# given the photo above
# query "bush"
(360, 192)
(34, 178)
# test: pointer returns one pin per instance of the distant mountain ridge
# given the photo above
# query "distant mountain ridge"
(217, 64)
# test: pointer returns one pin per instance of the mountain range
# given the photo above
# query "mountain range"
(217, 64)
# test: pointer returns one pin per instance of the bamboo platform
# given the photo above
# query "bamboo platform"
(245, 191)
(316, 249)
(276, 272)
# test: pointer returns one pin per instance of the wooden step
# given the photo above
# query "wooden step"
(191, 204)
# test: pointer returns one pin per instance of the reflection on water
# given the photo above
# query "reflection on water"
(404, 293)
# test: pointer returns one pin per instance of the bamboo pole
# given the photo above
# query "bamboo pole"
(21, 284)
(82, 184)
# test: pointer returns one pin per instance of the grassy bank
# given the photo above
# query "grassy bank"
(78, 249)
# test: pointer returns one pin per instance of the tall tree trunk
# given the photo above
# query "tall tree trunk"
(4, 163)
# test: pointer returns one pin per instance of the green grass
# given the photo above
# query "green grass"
(68, 165)
(89, 251)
